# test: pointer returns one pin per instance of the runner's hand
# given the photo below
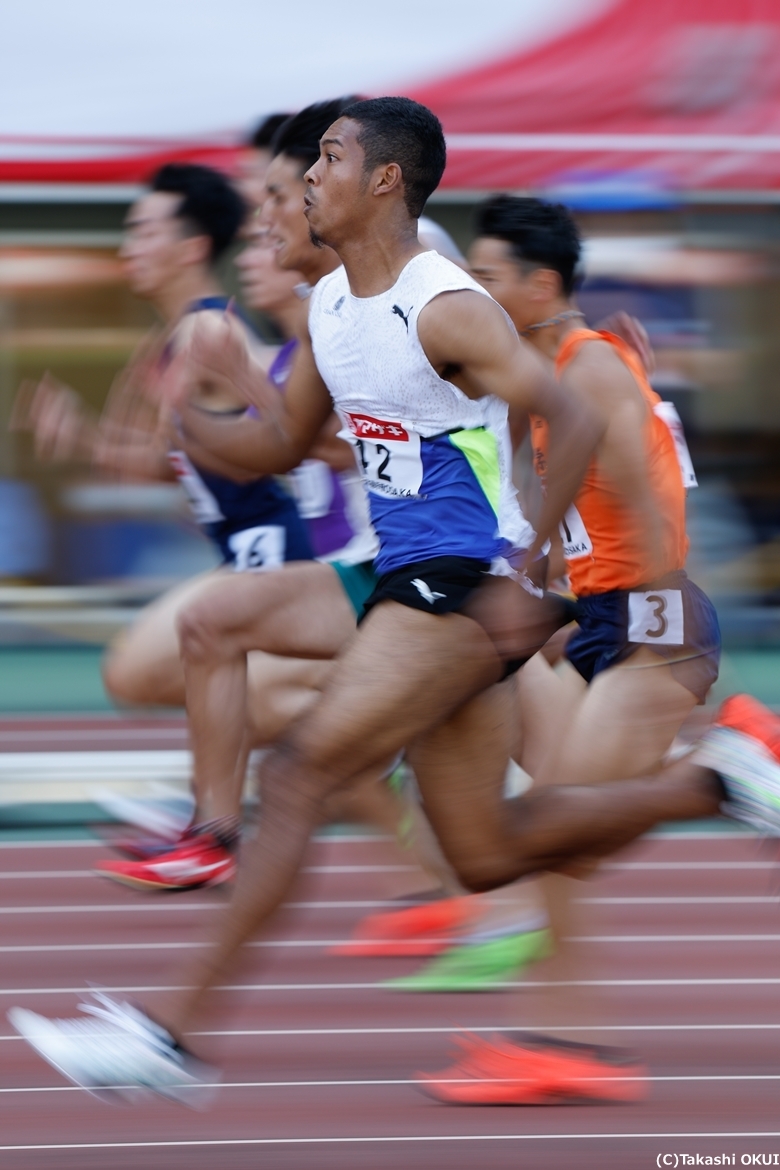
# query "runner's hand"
(56, 417)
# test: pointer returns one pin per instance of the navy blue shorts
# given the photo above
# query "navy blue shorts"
(674, 618)
(266, 542)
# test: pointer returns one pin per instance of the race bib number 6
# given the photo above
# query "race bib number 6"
(388, 455)
(258, 548)
(656, 617)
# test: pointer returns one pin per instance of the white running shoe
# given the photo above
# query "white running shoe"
(120, 1053)
(743, 747)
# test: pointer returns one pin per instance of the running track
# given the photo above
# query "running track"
(317, 1057)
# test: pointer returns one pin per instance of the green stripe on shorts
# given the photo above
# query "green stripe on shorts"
(359, 582)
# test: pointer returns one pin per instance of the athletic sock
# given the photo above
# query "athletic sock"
(225, 830)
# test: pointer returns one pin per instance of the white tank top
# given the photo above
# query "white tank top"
(436, 464)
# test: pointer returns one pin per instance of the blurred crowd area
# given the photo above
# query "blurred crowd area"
(704, 280)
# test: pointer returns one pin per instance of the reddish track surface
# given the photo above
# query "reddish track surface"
(317, 1058)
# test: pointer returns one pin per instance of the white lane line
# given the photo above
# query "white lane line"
(684, 900)
(380, 986)
(673, 865)
(69, 843)
(395, 1138)
(638, 866)
(96, 842)
(303, 943)
(174, 904)
(452, 1029)
(404, 1081)
(18, 874)
(146, 907)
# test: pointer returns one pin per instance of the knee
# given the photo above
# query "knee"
(122, 682)
(480, 875)
(199, 632)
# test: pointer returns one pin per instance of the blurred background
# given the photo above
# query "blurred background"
(657, 121)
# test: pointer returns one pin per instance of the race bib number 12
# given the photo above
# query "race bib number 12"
(388, 455)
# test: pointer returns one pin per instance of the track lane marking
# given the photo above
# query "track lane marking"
(772, 981)
(395, 1138)
(377, 904)
(292, 944)
(450, 1029)
(351, 1084)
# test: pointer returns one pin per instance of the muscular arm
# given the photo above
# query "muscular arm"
(469, 334)
(270, 445)
(599, 378)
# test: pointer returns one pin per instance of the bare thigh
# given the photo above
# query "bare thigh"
(401, 675)
(299, 611)
(460, 767)
(622, 726)
(142, 665)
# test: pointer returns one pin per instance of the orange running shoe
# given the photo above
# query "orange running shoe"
(746, 715)
(540, 1071)
(418, 930)
(743, 747)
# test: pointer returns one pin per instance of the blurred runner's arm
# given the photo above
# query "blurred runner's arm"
(469, 340)
(64, 429)
(264, 446)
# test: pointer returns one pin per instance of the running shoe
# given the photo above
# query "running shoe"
(743, 747)
(539, 1071)
(119, 1053)
(478, 966)
(199, 860)
(139, 846)
(418, 930)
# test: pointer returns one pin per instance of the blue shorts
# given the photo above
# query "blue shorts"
(265, 542)
(674, 618)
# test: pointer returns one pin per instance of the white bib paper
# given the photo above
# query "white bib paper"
(667, 411)
(204, 506)
(574, 534)
(258, 548)
(312, 486)
(656, 617)
(388, 455)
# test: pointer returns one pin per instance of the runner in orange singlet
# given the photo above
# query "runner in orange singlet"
(646, 647)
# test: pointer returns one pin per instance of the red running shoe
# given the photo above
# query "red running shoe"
(428, 929)
(199, 860)
(540, 1071)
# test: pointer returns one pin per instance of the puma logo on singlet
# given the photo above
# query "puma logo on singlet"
(403, 315)
(424, 589)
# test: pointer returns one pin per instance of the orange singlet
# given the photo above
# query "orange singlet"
(604, 544)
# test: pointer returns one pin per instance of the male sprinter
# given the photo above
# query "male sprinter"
(312, 612)
(383, 330)
(174, 237)
(648, 644)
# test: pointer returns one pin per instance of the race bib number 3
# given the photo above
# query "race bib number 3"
(656, 617)
(388, 455)
(258, 548)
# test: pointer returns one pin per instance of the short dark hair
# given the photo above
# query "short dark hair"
(299, 136)
(209, 204)
(399, 130)
(263, 133)
(541, 234)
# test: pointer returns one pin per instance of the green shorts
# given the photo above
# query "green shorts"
(358, 581)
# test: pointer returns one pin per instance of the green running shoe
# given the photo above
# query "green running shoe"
(478, 966)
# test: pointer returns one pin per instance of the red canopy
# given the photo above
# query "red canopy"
(671, 94)
(103, 160)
